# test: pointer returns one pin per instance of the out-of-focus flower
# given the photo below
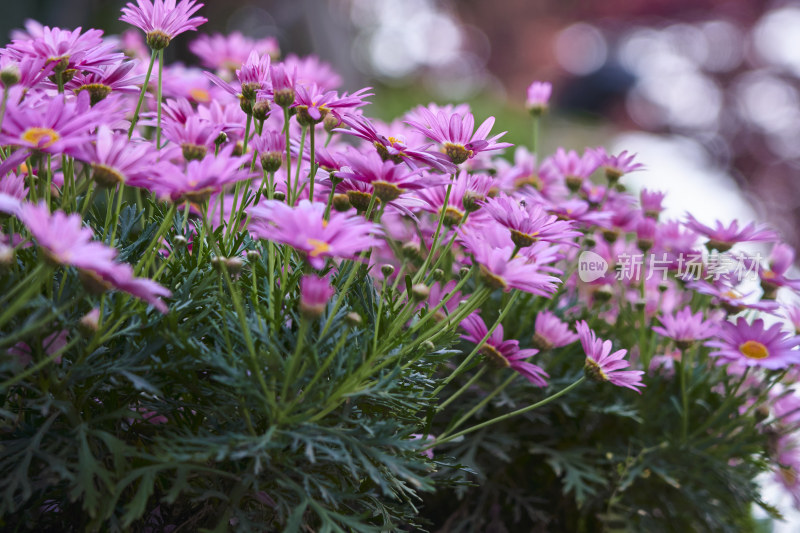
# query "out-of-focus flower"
(686, 327)
(304, 228)
(315, 293)
(228, 52)
(755, 345)
(162, 20)
(574, 169)
(774, 277)
(115, 159)
(313, 103)
(270, 145)
(602, 365)
(722, 238)
(551, 332)
(538, 97)
(503, 353)
(616, 166)
(67, 51)
(202, 178)
(529, 223)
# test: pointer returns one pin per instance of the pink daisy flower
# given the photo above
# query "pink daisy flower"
(394, 148)
(602, 365)
(313, 103)
(686, 327)
(270, 145)
(652, 202)
(774, 276)
(456, 133)
(722, 238)
(310, 70)
(315, 293)
(111, 78)
(755, 345)
(551, 332)
(304, 228)
(388, 179)
(503, 353)
(617, 166)
(201, 178)
(529, 223)
(573, 168)
(468, 189)
(27, 72)
(114, 159)
(196, 136)
(162, 20)
(65, 49)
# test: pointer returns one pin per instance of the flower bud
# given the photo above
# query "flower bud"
(253, 256)
(603, 294)
(428, 346)
(438, 274)
(279, 195)
(179, 242)
(472, 201)
(420, 292)
(341, 202)
(6, 256)
(10, 76)
(330, 122)
(261, 109)
(387, 270)
(463, 273)
(353, 319)
(90, 322)
(233, 265)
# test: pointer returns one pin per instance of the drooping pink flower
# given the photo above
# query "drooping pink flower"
(617, 166)
(64, 241)
(503, 353)
(304, 228)
(271, 146)
(755, 345)
(602, 365)
(529, 223)
(686, 327)
(456, 133)
(162, 20)
(722, 238)
(551, 332)
(774, 276)
(254, 75)
(111, 78)
(315, 293)
(538, 96)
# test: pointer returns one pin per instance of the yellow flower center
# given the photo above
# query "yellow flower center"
(393, 140)
(754, 350)
(319, 247)
(36, 136)
(768, 274)
(200, 95)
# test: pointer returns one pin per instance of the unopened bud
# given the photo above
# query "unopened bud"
(216, 263)
(420, 292)
(331, 121)
(438, 274)
(603, 293)
(428, 346)
(89, 323)
(639, 304)
(233, 265)
(221, 138)
(179, 242)
(353, 319)
(253, 256)
(10, 76)
(341, 203)
(589, 241)
(472, 201)
(261, 109)
(387, 270)
(279, 195)
(6, 256)
(463, 273)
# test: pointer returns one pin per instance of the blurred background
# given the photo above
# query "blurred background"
(706, 91)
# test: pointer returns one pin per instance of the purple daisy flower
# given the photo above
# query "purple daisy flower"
(254, 75)
(162, 20)
(315, 293)
(309, 70)
(617, 166)
(27, 72)
(114, 159)
(500, 272)
(456, 134)
(753, 345)
(282, 85)
(196, 136)
(529, 223)
(270, 145)
(65, 49)
(395, 148)
(686, 327)
(468, 190)
(388, 179)
(116, 78)
(305, 228)
(774, 276)
(55, 126)
(201, 178)
(652, 202)
(574, 169)
(602, 365)
(551, 332)
(722, 238)
(503, 353)
(313, 103)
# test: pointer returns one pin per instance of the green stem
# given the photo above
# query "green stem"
(481, 404)
(31, 289)
(313, 164)
(293, 361)
(535, 143)
(135, 118)
(296, 192)
(158, 97)
(463, 389)
(152, 250)
(507, 415)
(288, 156)
(115, 222)
(423, 269)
